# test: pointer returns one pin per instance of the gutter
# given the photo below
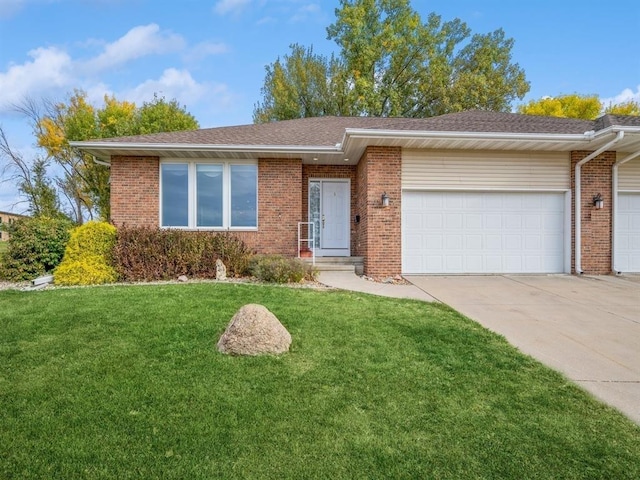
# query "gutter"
(355, 133)
(614, 205)
(177, 147)
(578, 200)
(100, 162)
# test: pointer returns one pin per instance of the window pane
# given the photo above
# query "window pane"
(314, 211)
(209, 195)
(244, 195)
(175, 195)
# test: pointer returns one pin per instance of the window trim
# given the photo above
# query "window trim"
(193, 197)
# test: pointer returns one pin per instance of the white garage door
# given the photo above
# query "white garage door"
(627, 248)
(483, 232)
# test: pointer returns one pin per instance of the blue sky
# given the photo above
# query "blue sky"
(211, 55)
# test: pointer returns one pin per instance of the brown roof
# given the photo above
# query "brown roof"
(328, 131)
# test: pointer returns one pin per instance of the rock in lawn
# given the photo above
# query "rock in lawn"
(221, 270)
(183, 278)
(254, 330)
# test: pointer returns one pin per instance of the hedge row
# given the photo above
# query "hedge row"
(146, 254)
(98, 253)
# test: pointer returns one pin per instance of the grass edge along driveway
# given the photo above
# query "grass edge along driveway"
(125, 382)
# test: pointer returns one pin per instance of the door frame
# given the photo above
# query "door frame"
(323, 252)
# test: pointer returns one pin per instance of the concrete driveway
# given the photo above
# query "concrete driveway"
(586, 327)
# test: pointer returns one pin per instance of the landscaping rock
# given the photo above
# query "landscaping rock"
(221, 270)
(183, 278)
(254, 330)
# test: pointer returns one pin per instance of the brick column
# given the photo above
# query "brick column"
(596, 224)
(378, 236)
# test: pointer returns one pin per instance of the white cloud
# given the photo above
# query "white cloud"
(138, 42)
(50, 68)
(304, 12)
(173, 83)
(205, 49)
(625, 96)
(222, 7)
(8, 8)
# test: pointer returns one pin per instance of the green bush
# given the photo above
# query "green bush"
(88, 256)
(147, 254)
(35, 247)
(279, 269)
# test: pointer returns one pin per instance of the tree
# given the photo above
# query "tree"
(303, 84)
(586, 107)
(32, 181)
(629, 107)
(162, 116)
(86, 182)
(393, 64)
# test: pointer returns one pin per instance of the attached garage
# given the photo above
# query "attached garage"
(627, 222)
(468, 213)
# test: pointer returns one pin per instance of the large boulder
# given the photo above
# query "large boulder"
(254, 330)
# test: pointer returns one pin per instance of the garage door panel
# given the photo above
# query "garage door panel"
(627, 248)
(485, 232)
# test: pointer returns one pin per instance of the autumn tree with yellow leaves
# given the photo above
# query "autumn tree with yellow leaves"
(585, 107)
(85, 182)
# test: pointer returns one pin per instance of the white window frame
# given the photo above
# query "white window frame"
(192, 193)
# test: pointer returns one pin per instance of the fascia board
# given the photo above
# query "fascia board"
(178, 147)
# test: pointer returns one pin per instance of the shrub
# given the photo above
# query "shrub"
(278, 269)
(146, 254)
(35, 247)
(88, 256)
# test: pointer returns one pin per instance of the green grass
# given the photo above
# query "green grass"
(125, 382)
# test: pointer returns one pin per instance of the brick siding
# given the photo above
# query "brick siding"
(378, 236)
(596, 225)
(135, 200)
(135, 197)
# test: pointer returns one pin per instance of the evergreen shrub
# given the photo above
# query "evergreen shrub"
(35, 247)
(88, 257)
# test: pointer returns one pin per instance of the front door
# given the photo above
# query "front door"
(329, 210)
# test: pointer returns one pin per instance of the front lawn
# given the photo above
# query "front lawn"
(125, 382)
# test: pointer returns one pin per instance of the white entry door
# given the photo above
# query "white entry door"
(329, 209)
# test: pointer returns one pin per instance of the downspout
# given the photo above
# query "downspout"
(614, 205)
(578, 202)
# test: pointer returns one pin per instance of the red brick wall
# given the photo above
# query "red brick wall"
(596, 223)
(279, 206)
(135, 191)
(330, 171)
(378, 236)
(135, 200)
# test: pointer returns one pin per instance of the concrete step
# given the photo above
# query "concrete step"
(334, 267)
(339, 264)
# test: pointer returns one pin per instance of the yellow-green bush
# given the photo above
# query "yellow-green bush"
(91, 270)
(88, 256)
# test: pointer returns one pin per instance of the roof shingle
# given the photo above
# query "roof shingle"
(329, 131)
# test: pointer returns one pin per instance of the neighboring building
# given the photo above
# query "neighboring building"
(470, 192)
(6, 217)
